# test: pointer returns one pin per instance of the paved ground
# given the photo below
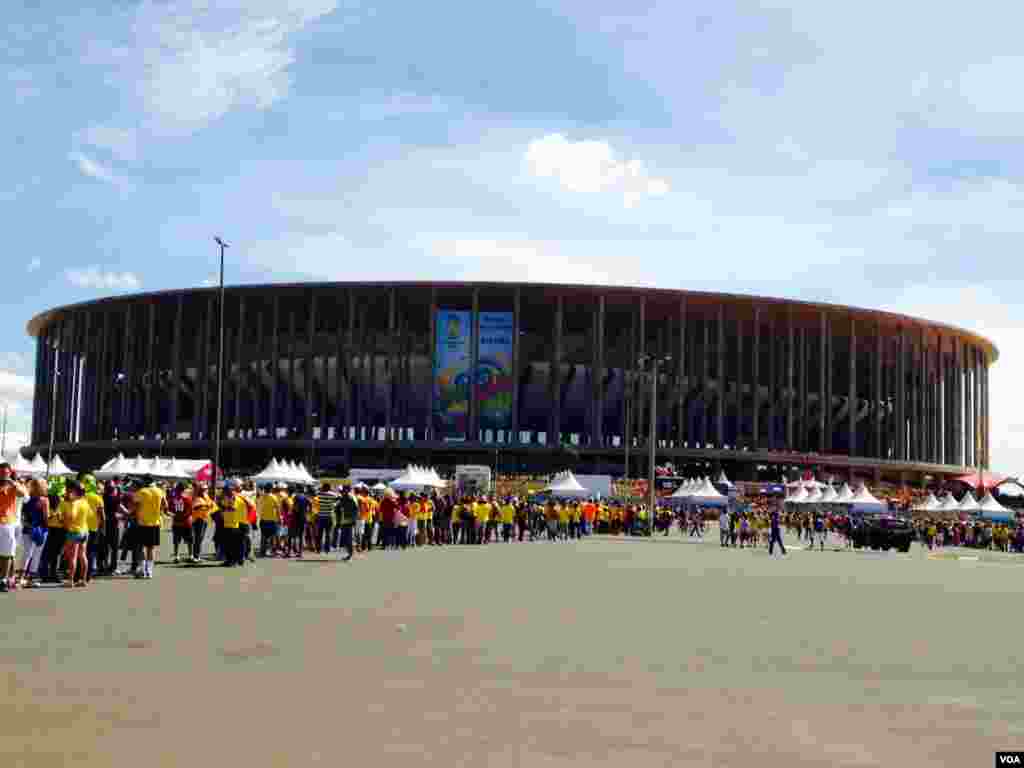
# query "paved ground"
(604, 652)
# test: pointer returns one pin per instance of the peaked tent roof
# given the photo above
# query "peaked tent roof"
(968, 503)
(845, 495)
(930, 504)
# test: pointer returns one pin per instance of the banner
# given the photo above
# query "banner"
(494, 372)
(453, 359)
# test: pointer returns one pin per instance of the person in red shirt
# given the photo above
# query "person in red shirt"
(388, 510)
(181, 526)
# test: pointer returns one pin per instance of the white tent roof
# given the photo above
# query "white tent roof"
(707, 495)
(379, 487)
(416, 478)
(58, 468)
(930, 504)
(829, 495)
(23, 466)
(845, 495)
(988, 505)
(38, 464)
(798, 496)
(566, 484)
(968, 503)
(948, 504)
(863, 498)
(723, 480)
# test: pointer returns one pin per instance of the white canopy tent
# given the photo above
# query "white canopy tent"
(23, 466)
(829, 496)
(948, 504)
(59, 469)
(845, 494)
(565, 485)
(990, 509)
(379, 487)
(39, 464)
(798, 496)
(968, 503)
(284, 472)
(707, 496)
(723, 480)
(930, 504)
(863, 501)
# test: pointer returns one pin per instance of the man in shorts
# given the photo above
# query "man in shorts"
(10, 522)
(150, 505)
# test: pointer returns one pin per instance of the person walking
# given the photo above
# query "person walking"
(302, 509)
(181, 524)
(97, 525)
(34, 513)
(270, 518)
(202, 510)
(113, 513)
(347, 511)
(150, 503)
(54, 539)
(233, 510)
(775, 534)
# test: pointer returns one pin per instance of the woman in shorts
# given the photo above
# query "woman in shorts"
(33, 531)
(75, 514)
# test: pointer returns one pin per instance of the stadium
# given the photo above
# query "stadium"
(529, 378)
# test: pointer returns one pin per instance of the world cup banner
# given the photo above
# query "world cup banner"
(494, 370)
(452, 362)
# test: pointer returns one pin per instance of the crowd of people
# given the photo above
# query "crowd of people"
(71, 531)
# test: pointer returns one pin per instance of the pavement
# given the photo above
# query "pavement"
(606, 651)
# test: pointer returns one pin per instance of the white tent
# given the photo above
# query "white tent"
(707, 496)
(863, 501)
(39, 465)
(968, 503)
(930, 504)
(723, 480)
(798, 496)
(814, 496)
(279, 472)
(565, 485)
(59, 469)
(990, 509)
(305, 473)
(379, 487)
(829, 496)
(845, 495)
(23, 466)
(948, 504)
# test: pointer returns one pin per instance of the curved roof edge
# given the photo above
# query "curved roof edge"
(41, 320)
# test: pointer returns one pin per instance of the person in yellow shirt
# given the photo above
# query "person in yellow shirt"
(563, 513)
(234, 512)
(269, 506)
(481, 512)
(96, 522)
(150, 507)
(415, 513)
(508, 517)
(202, 511)
(10, 522)
(74, 511)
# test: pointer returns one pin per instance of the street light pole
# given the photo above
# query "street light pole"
(652, 495)
(220, 369)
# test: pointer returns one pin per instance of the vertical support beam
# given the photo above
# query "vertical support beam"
(773, 372)
(341, 375)
(600, 374)
(38, 391)
(851, 426)
(683, 384)
(823, 364)
(985, 417)
(254, 373)
(959, 362)
(202, 372)
(275, 367)
(129, 384)
(829, 369)
(148, 428)
(639, 420)
(392, 367)
(979, 452)
(239, 339)
(755, 377)
(473, 426)
(720, 379)
(433, 365)
(289, 409)
(556, 375)
(790, 382)
(901, 396)
(877, 409)
(310, 389)
(352, 374)
(804, 440)
(738, 385)
(595, 378)
(176, 354)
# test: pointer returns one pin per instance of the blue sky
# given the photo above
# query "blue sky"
(868, 154)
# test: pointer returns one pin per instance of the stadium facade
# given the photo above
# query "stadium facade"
(531, 377)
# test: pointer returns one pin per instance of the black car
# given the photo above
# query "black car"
(883, 532)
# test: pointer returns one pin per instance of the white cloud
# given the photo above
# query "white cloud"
(34, 264)
(122, 143)
(592, 166)
(13, 444)
(94, 277)
(16, 393)
(195, 63)
(13, 361)
(93, 169)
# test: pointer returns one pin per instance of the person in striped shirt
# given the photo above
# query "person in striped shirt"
(327, 499)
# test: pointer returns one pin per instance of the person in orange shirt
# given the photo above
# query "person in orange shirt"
(202, 511)
(10, 492)
(365, 520)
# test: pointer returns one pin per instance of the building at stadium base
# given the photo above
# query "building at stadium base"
(524, 377)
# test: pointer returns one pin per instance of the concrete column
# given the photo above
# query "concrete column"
(978, 426)
(773, 372)
(310, 373)
(755, 377)
(517, 362)
(341, 373)
(639, 412)
(389, 409)
(474, 397)
(851, 427)
(602, 372)
(352, 375)
(738, 384)
(239, 361)
(876, 407)
(148, 429)
(790, 385)
(433, 366)
(275, 367)
(720, 376)
(683, 382)
(176, 354)
(829, 348)
(985, 415)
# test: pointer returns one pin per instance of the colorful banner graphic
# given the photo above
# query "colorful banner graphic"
(453, 359)
(494, 370)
